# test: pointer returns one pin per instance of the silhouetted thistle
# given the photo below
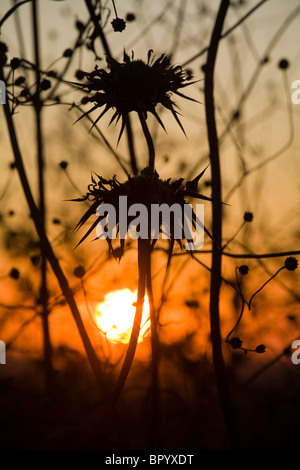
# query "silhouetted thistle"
(248, 217)
(147, 189)
(118, 25)
(14, 273)
(79, 271)
(45, 84)
(291, 263)
(236, 343)
(283, 64)
(243, 269)
(15, 63)
(35, 259)
(20, 80)
(261, 348)
(68, 52)
(134, 85)
(130, 17)
(63, 165)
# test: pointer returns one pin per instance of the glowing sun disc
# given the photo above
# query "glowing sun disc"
(115, 316)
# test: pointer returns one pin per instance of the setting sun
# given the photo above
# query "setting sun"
(115, 316)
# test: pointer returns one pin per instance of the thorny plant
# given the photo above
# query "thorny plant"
(135, 86)
(147, 189)
(123, 88)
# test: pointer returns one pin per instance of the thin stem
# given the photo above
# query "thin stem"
(131, 144)
(233, 236)
(242, 308)
(279, 254)
(37, 105)
(148, 140)
(255, 293)
(154, 410)
(218, 360)
(116, 13)
(142, 253)
(238, 320)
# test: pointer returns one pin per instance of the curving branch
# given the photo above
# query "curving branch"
(216, 278)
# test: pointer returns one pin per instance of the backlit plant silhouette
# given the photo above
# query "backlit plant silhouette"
(95, 89)
(147, 189)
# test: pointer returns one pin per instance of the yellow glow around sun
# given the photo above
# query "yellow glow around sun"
(115, 316)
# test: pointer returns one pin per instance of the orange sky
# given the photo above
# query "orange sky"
(272, 193)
